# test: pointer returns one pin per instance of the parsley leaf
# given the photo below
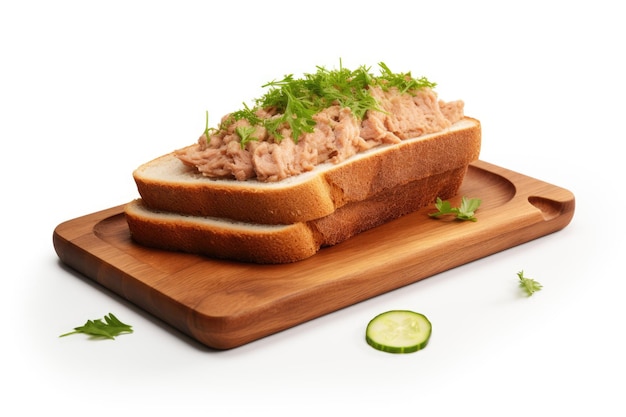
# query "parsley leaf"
(108, 329)
(464, 212)
(529, 285)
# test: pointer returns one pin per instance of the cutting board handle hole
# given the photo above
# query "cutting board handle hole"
(550, 209)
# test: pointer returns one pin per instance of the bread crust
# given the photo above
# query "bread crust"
(313, 195)
(276, 244)
(222, 240)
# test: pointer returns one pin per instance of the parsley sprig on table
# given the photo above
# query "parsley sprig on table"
(529, 285)
(109, 328)
(464, 212)
(296, 100)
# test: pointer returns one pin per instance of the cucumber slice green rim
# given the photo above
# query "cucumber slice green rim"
(398, 331)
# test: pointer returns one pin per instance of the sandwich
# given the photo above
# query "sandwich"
(315, 161)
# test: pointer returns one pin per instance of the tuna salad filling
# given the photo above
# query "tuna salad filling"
(243, 150)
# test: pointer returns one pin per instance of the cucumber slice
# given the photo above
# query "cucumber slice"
(398, 331)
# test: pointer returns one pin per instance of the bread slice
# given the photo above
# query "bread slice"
(275, 244)
(167, 185)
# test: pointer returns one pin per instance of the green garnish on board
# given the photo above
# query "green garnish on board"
(108, 329)
(464, 212)
(296, 100)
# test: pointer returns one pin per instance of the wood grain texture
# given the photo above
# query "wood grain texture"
(225, 304)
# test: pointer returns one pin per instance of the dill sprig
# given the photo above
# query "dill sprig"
(296, 100)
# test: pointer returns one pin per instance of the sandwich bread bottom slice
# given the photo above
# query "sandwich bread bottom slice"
(275, 244)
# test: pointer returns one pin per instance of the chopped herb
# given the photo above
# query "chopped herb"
(464, 212)
(245, 133)
(529, 285)
(295, 101)
(208, 130)
(109, 328)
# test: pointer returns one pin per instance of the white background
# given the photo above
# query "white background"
(90, 90)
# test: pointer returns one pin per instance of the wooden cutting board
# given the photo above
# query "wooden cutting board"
(226, 304)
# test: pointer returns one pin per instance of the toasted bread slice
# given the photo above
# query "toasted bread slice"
(166, 184)
(272, 244)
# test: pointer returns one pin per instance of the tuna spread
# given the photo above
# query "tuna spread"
(336, 134)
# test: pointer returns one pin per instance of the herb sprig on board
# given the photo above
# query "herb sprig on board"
(296, 100)
(464, 212)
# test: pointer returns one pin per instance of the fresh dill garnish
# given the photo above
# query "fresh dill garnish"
(208, 130)
(245, 133)
(296, 100)
(404, 82)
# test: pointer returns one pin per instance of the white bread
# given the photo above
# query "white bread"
(167, 185)
(273, 244)
(293, 219)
